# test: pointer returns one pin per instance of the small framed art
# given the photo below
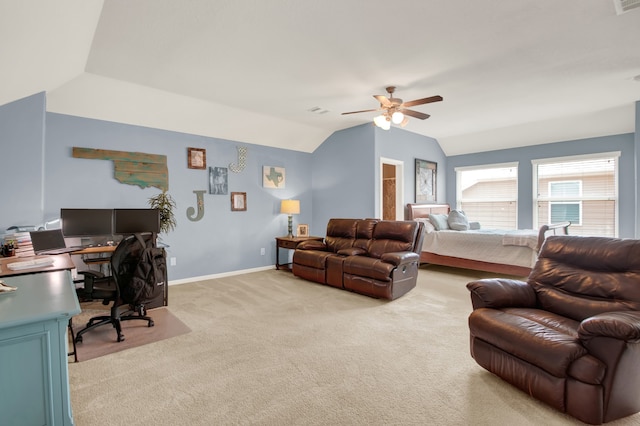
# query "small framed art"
(426, 174)
(197, 158)
(218, 180)
(238, 201)
(273, 177)
(302, 230)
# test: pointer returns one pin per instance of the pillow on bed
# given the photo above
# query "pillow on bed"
(428, 226)
(457, 220)
(439, 221)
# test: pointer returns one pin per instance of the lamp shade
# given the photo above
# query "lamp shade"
(290, 206)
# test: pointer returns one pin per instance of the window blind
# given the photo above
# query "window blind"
(583, 190)
(489, 195)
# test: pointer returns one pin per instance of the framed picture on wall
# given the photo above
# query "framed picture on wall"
(273, 177)
(218, 180)
(302, 230)
(238, 201)
(426, 183)
(197, 158)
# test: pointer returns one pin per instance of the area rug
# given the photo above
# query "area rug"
(103, 340)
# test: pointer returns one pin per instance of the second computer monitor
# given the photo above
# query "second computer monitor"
(131, 221)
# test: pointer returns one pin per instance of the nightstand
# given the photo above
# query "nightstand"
(289, 243)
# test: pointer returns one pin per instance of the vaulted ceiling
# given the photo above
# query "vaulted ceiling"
(511, 73)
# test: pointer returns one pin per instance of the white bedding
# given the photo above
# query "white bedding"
(495, 246)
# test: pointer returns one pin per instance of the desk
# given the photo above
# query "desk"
(60, 263)
(100, 260)
(96, 250)
(289, 243)
(33, 348)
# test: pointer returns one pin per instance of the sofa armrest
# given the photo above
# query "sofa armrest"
(621, 325)
(312, 245)
(352, 251)
(501, 293)
(400, 257)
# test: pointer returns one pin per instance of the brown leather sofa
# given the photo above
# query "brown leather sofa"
(378, 258)
(570, 335)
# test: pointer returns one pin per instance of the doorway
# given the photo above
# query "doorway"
(391, 189)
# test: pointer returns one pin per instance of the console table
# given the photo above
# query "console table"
(34, 375)
(289, 243)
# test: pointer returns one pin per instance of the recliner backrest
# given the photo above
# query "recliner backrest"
(364, 233)
(341, 233)
(579, 277)
(392, 236)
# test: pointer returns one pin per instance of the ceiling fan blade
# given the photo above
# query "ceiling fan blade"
(422, 101)
(415, 114)
(357, 112)
(383, 100)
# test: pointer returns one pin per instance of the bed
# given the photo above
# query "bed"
(505, 252)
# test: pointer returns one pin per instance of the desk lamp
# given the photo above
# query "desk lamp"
(290, 207)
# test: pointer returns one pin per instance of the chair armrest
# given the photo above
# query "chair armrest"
(501, 293)
(90, 277)
(312, 245)
(621, 325)
(400, 257)
(352, 251)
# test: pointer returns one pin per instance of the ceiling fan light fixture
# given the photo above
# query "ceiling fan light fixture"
(397, 117)
(381, 121)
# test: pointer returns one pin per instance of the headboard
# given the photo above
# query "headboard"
(424, 210)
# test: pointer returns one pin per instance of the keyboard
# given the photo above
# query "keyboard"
(38, 262)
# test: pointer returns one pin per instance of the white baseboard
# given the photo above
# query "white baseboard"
(221, 275)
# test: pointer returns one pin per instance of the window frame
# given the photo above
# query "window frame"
(515, 199)
(615, 155)
(566, 200)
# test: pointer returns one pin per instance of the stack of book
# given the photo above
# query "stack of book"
(24, 248)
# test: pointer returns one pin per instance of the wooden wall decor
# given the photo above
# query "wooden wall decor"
(195, 215)
(132, 168)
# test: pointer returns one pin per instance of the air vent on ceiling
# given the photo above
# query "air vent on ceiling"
(623, 6)
(318, 110)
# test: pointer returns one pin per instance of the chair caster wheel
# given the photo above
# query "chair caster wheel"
(151, 323)
(78, 339)
(120, 337)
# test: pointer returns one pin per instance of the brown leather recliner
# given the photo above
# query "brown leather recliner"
(570, 335)
(378, 258)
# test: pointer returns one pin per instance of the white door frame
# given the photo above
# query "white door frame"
(399, 186)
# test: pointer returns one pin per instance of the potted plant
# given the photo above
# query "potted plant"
(166, 205)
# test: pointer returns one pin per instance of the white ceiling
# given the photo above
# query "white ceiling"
(511, 73)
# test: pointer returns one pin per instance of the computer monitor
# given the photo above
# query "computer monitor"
(86, 222)
(131, 221)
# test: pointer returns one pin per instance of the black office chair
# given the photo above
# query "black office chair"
(110, 288)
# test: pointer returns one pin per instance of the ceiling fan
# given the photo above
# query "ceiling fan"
(395, 111)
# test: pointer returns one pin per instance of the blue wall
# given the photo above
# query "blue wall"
(346, 170)
(340, 179)
(21, 140)
(524, 155)
(343, 177)
(399, 144)
(223, 240)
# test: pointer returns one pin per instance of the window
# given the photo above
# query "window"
(489, 194)
(562, 211)
(582, 189)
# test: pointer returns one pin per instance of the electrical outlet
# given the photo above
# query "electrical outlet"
(172, 261)
(262, 251)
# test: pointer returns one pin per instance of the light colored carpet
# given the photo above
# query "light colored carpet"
(268, 348)
(103, 340)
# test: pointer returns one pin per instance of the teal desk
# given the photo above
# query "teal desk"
(34, 375)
